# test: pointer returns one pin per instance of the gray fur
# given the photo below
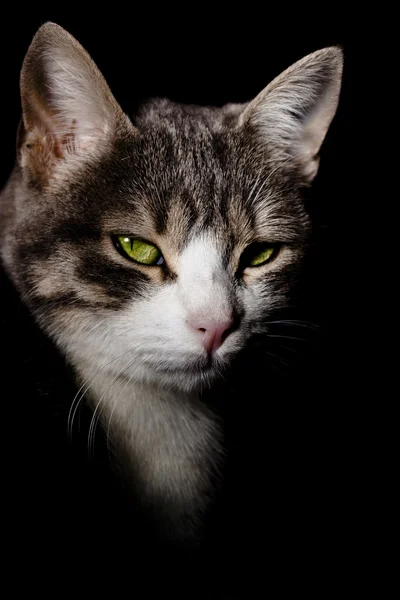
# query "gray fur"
(201, 183)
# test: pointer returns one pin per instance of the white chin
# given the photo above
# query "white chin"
(193, 378)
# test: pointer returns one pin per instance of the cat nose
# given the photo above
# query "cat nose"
(214, 332)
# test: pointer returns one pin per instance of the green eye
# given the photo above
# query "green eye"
(260, 258)
(139, 251)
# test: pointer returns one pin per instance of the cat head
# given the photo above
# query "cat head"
(158, 247)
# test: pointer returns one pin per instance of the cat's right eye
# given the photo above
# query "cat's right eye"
(138, 250)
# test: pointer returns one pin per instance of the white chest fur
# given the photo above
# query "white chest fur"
(169, 443)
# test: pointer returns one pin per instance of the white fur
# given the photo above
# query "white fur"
(143, 369)
(155, 332)
(203, 284)
(134, 364)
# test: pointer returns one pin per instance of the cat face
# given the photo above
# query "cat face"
(157, 249)
(210, 202)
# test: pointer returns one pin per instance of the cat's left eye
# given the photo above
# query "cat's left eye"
(258, 254)
(261, 257)
(138, 250)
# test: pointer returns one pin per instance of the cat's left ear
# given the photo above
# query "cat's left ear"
(291, 116)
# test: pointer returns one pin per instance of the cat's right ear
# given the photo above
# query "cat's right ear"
(69, 114)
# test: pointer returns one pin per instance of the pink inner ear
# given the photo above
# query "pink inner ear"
(41, 148)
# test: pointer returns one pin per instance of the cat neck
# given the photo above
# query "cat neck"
(169, 442)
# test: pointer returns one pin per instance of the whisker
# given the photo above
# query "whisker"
(282, 360)
(294, 323)
(288, 337)
(275, 367)
(279, 166)
(255, 185)
(97, 412)
(295, 350)
(112, 413)
(78, 398)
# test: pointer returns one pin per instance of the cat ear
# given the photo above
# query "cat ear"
(68, 108)
(293, 113)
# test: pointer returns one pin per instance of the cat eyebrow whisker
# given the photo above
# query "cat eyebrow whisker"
(255, 185)
(271, 173)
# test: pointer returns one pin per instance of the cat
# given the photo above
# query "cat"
(155, 251)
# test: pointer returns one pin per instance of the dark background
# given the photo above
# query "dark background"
(292, 520)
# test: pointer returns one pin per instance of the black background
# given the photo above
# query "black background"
(293, 520)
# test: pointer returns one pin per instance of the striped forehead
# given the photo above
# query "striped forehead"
(176, 184)
(212, 194)
(228, 220)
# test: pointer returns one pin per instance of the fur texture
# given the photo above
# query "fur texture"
(205, 185)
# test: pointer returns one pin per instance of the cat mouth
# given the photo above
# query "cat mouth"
(190, 368)
(205, 367)
(186, 372)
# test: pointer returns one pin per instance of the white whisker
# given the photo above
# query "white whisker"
(288, 337)
(79, 396)
(113, 408)
(97, 411)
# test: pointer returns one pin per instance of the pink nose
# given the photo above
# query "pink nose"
(214, 332)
